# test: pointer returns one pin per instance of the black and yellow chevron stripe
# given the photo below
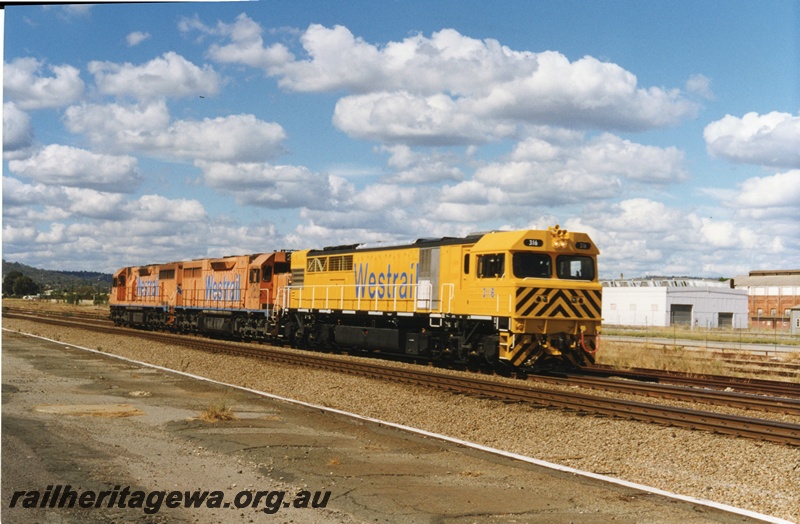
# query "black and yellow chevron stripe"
(521, 350)
(537, 302)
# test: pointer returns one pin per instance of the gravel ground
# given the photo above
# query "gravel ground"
(758, 476)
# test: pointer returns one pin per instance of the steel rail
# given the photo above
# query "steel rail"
(743, 385)
(746, 401)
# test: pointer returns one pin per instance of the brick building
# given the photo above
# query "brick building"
(771, 297)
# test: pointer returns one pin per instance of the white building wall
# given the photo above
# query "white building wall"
(795, 318)
(652, 306)
(635, 306)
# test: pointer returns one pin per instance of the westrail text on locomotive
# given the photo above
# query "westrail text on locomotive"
(226, 290)
(147, 287)
(385, 284)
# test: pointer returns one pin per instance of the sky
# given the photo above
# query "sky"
(146, 133)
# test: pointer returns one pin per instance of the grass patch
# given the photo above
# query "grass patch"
(217, 412)
(626, 355)
(665, 358)
(737, 336)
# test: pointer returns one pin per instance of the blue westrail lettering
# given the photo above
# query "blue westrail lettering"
(385, 284)
(147, 288)
(226, 290)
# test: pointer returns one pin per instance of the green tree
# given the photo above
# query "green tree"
(25, 286)
(8, 282)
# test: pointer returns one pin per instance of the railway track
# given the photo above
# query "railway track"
(692, 391)
(724, 383)
(769, 430)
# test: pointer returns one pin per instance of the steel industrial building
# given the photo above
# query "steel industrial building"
(674, 301)
(772, 297)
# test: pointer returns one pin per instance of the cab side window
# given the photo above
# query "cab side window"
(575, 267)
(491, 266)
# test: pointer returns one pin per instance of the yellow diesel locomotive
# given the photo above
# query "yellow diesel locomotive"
(525, 299)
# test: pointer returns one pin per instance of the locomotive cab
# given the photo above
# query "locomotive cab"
(543, 288)
(263, 273)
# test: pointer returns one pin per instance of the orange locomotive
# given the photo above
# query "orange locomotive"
(231, 295)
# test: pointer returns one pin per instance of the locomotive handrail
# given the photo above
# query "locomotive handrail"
(196, 297)
(452, 294)
(321, 298)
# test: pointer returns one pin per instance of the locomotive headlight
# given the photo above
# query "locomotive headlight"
(559, 236)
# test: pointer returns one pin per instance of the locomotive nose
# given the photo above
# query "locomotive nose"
(538, 302)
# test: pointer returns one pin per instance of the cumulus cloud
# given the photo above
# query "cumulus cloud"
(447, 61)
(73, 167)
(156, 208)
(524, 183)
(24, 84)
(56, 235)
(17, 130)
(553, 168)
(169, 75)
(147, 128)
(17, 194)
(640, 236)
(560, 168)
(643, 215)
(41, 202)
(610, 154)
(331, 227)
(149, 229)
(450, 88)
(95, 204)
(725, 233)
(771, 196)
(700, 85)
(586, 93)
(118, 127)
(411, 167)
(71, 11)
(17, 235)
(407, 118)
(277, 187)
(381, 197)
(769, 140)
(135, 38)
(246, 44)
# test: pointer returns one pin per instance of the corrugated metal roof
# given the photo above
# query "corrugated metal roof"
(785, 280)
(664, 282)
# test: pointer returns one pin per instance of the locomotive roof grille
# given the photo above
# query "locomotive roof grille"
(392, 244)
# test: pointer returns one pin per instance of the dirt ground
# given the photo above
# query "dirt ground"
(74, 418)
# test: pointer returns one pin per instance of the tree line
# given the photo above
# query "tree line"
(67, 286)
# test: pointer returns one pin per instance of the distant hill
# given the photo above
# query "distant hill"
(67, 280)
